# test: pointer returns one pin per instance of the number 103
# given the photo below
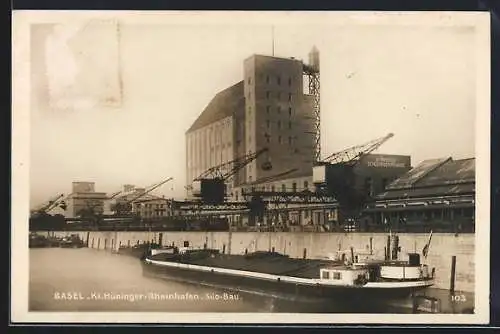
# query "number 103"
(458, 298)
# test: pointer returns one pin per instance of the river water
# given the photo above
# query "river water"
(63, 279)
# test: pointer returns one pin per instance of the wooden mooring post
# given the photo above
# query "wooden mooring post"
(388, 248)
(452, 276)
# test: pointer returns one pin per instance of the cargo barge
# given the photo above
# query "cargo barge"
(273, 273)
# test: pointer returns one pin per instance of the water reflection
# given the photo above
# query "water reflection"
(90, 280)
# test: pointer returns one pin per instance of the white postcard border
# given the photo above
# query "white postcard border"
(20, 163)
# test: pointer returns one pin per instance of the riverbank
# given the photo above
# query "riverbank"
(443, 248)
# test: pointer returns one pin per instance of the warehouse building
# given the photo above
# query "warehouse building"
(84, 200)
(438, 194)
(147, 206)
(152, 207)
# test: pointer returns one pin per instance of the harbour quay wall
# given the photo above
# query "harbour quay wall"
(314, 245)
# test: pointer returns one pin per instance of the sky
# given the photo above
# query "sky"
(113, 106)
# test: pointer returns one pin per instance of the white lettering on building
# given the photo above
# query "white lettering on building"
(386, 163)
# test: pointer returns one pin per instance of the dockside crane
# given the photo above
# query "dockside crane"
(272, 177)
(271, 203)
(352, 155)
(41, 219)
(51, 204)
(210, 186)
(256, 202)
(125, 207)
(113, 195)
(335, 176)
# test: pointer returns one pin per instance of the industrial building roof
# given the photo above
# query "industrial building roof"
(428, 191)
(436, 177)
(223, 105)
(452, 172)
(416, 173)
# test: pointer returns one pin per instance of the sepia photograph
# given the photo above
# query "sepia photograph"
(250, 167)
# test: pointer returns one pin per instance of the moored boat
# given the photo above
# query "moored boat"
(38, 241)
(278, 274)
(72, 241)
(41, 241)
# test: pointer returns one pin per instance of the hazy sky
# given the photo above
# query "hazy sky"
(415, 81)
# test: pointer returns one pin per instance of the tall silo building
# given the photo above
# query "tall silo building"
(267, 109)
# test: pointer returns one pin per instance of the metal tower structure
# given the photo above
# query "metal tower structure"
(311, 70)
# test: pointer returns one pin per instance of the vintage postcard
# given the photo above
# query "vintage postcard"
(250, 167)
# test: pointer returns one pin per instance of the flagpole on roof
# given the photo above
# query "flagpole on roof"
(273, 39)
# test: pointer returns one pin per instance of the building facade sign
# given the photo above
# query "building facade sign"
(386, 161)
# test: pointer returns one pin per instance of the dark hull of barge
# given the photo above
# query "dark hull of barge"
(137, 251)
(274, 265)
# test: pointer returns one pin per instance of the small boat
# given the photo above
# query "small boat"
(275, 273)
(40, 241)
(72, 241)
